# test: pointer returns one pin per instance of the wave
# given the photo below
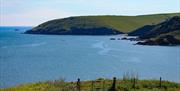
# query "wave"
(104, 50)
(33, 45)
(27, 45)
(103, 46)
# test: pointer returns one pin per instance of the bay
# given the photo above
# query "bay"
(28, 58)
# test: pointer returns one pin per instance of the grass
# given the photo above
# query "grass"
(121, 23)
(98, 85)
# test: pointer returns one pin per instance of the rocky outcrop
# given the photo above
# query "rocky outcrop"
(162, 34)
(164, 40)
(169, 25)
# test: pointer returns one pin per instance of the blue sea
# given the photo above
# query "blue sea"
(26, 58)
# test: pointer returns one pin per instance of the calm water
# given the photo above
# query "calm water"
(27, 58)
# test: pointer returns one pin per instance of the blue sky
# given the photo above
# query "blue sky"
(34, 12)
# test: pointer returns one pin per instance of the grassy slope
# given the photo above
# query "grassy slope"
(121, 85)
(129, 23)
(121, 23)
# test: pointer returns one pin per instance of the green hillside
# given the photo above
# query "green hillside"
(129, 23)
(123, 24)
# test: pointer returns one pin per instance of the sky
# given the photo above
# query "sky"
(35, 12)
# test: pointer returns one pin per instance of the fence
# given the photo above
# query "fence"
(107, 85)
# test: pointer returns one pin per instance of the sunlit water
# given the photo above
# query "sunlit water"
(28, 58)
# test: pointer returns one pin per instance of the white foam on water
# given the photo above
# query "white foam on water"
(26, 45)
(103, 46)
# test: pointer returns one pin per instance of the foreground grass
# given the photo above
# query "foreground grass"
(98, 85)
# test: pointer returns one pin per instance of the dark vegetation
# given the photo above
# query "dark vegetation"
(78, 31)
(142, 30)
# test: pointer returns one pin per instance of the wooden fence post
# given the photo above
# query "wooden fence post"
(160, 82)
(114, 83)
(92, 86)
(79, 85)
(113, 87)
(103, 85)
(134, 83)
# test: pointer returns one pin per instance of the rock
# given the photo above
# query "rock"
(112, 38)
(119, 39)
(147, 42)
(124, 38)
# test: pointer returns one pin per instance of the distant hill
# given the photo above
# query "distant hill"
(98, 25)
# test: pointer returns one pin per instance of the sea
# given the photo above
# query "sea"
(27, 58)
